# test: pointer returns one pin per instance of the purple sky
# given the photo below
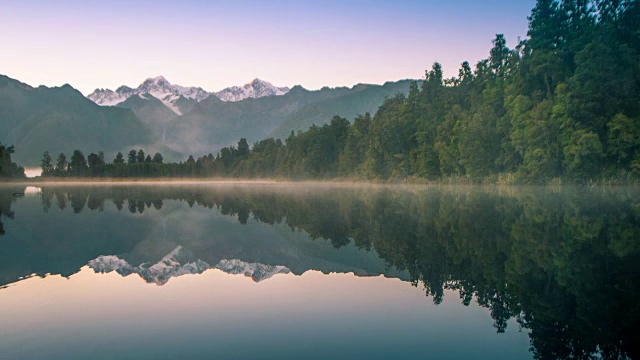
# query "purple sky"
(215, 44)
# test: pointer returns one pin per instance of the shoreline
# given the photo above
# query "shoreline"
(341, 182)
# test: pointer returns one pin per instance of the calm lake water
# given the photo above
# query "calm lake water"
(318, 272)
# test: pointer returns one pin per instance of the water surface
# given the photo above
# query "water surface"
(300, 271)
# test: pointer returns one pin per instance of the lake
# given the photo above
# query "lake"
(316, 271)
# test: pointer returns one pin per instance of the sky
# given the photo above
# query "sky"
(215, 44)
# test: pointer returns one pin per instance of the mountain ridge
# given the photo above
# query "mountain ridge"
(172, 265)
(160, 88)
(61, 119)
(255, 89)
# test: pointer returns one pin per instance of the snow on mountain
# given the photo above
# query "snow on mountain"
(169, 267)
(255, 89)
(257, 272)
(106, 97)
(169, 94)
(158, 273)
(157, 87)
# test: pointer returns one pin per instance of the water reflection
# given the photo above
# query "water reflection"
(563, 264)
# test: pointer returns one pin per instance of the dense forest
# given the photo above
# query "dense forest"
(562, 105)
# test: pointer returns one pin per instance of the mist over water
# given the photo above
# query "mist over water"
(290, 270)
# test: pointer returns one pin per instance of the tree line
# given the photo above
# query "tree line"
(562, 104)
(137, 164)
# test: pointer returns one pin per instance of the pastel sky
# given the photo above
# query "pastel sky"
(215, 44)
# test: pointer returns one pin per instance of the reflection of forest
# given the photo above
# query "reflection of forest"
(565, 264)
(5, 208)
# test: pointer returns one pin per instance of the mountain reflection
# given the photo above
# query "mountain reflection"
(564, 264)
(177, 263)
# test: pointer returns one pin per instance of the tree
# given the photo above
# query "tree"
(61, 165)
(96, 164)
(583, 154)
(46, 164)
(132, 157)
(499, 55)
(119, 159)
(191, 166)
(243, 149)
(140, 156)
(78, 164)
(157, 158)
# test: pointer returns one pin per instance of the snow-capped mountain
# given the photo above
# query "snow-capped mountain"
(157, 87)
(170, 266)
(106, 97)
(257, 272)
(255, 89)
(169, 94)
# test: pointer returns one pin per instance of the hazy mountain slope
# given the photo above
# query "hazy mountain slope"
(13, 99)
(185, 104)
(361, 99)
(150, 111)
(61, 120)
(213, 123)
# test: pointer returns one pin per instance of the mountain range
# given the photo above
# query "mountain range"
(173, 96)
(179, 262)
(175, 120)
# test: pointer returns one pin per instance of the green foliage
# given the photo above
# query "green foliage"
(78, 164)
(61, 165)
(119, 159)
(46, 164)
(157, 158)
(132, 159)
(583, 154)
(8, 168)
(140, 156)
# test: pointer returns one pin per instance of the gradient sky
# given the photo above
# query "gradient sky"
(215, 44)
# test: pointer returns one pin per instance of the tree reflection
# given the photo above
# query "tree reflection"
(5, 209)
(564, 264)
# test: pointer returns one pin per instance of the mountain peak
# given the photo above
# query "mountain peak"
(255, 89)
(160, 88)
(256, 82)
(160, 80)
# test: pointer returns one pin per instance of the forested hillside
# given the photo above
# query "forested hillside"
(563, 103)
